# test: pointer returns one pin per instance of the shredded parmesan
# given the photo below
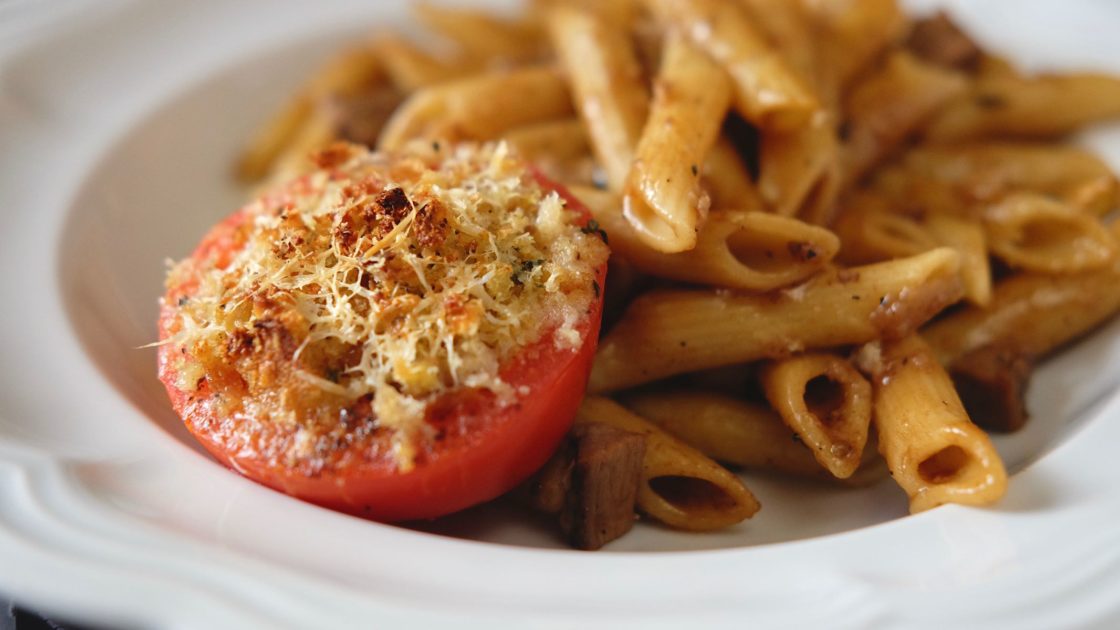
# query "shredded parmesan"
(391, 277)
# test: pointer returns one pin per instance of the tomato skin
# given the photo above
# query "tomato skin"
(503, 446)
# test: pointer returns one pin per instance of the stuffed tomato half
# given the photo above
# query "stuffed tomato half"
(398, 336)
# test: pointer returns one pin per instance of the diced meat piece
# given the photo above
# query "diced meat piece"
(590, 484)
(941, 42)
(604, 485)
(992, 384)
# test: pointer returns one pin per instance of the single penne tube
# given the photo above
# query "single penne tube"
(792, 164)
(679, 486)
(934, 452)
(819, 206)
(272, 140)
(1027, 107)
(316, 132)
(1031, 314)
(850, 34)
(667, 332)
(481, 34)
(740, 433)
(559, 148)
(1097, 196)
(872, 231)
(955, 179)
(966, 235)
(788, 29)
(1032, 232)
(826, 402)
(767, 92)
(890, 105)
(619, 12)
(479, 108)
(344, 75)
(412, 68)
(741, 250)
(562, 139)
(727, 179)
(663, 199)
(728, 430)
(602, 67)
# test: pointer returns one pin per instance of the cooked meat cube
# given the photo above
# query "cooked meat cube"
(992, 383)
(604, 485)
(590, 484)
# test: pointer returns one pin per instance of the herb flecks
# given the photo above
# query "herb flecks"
(526, 266)
(593, 227)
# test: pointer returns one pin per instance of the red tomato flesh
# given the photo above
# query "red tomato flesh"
(495, 447)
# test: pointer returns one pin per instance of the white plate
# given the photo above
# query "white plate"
(118, 122)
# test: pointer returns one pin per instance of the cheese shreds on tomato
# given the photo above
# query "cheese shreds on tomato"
(347, 302)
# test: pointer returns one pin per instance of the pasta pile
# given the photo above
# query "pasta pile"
(836, 229)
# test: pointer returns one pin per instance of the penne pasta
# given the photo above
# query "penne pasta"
(967, 236)
(890, 105)
(559, 148)
(622, 12)
(606, 81)
(1034, 233)
(479, 108)
(794, 164)
(679, 486)
(742, 250)
(480, 34)
(564, 139)
(345, 75)
(827, 403)
(273, 139)
(1031, 314)
(956, 179)
(411, 68)
(850, 34)
(727, 179)
(670, 332)
(315, 132)
(739, 433)
(728, 430)
(934, 452)
(1011, 106)
(872, 232)
(767, 92)
(663, 200)
(789, 31)
(820, 205)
